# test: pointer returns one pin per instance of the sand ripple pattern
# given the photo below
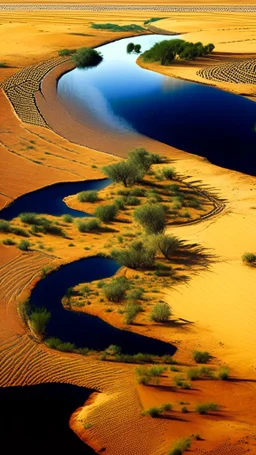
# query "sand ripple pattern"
(243, 72)
(21, 88)
(167, 8)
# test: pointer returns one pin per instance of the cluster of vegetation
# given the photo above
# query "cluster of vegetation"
(205, 408)
(86, 57)
(249, 258)
(180, 383)
(4, 65)
(167, 51)
(118, 28)
(180, 446)
(65, 346)
(131, 171)
(153, 19)
(39, 319)
(88, 196)
(66, 52)
(146, 375)
(131, 47)
(107, 213)
(157, 411)
(41, 224)
(91, 225)
(201, 356)
(161, 312)
(7, 228)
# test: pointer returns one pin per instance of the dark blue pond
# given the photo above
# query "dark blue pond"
(202, 120)
(83, 329)
(50, 199)
(35, 419)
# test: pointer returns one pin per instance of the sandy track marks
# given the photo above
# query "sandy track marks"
(243, 72)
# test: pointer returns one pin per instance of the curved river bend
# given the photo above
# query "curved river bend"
(121, 96)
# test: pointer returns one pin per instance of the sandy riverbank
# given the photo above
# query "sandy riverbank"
(219, 303)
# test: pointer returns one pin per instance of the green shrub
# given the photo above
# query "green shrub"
(153, 19)
(65, 346)
(249, 258)
(131, 312)
(152, 412)
(169, 173)
(127, 172)
(39, 319)
(106, 213)
(118, 28)
(138, 192)
(135, 294)
(161, 312)
(151, 218)
(4, 65)
(29, 218)
(137, 48)
(223, 374)
(205, 408)
(179, 382)
(9, 242)
(132, 200)
(88, 196)
(115, 291)
(19, 231)
(201, 356)
(184, 410)
(180, 446)
(120, 202)
(166, 407)
(24, 245)
(156, 370)
(68, 218)
(137, 256)
(86, 57)
(167, 244)
(143, 159)
(5, 226)
(113, 349)
(198, 373)
(66, 52)
(88, 226)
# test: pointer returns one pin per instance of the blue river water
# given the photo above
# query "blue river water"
(196, 118)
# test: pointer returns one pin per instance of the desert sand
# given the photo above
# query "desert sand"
(218, 303)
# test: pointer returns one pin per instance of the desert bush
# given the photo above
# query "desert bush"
(86, 57)
(156, 412)
(5, 226)
(161, 312)
(4, 65)
(88, 226)
(132, 200)
(153, 19)
(120, 202)
(167, 244)
(39, 319)
(180, 446)
(169, 173)
(143, 159)
(131, 312)
(198, 373)
(137, 256)
(249, 258)
(201, 356)
(113, 349)
(68, 218)
(223, 374)
(115, 291)
(127, 172)
(138, 192)
(118, 28)
(179, 382)
(88, 196)
(106, 213)
(135, 294)
(66, 52)
(151, 218)
(9, 242)
(24, 245)
(29, 218)
(65, 346)
(205, 408)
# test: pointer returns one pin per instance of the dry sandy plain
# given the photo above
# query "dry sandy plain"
(219, 303)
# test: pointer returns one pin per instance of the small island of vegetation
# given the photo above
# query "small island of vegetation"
(167, 51)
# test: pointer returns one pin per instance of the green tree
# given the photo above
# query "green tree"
(151, 218)
(167, 244)
(137, 256)
(126, 172)
(143, 159)
(130, 48)
(137, 48)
